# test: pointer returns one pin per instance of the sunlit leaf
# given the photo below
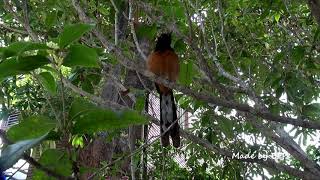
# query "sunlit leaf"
(17, 48)
(186, 73)
(80, 55)
(277, 17)
(89, 118)
(14, 66)
(31, 127)
(48, 82)
(72, 33)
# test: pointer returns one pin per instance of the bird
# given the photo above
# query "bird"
(164, 62)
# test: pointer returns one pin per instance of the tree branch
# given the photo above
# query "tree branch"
(97, 100)
(286, 142)
(241, 107)
(133, 32)
(37, 165)
(187, 91)
(23, 21)
(4, 26)
(229, 104)
(295, 152)
(267, 163)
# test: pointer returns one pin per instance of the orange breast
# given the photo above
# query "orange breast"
(164, 64)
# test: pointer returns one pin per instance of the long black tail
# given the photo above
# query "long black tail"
(168, 115)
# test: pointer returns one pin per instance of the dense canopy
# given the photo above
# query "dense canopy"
(249, 81)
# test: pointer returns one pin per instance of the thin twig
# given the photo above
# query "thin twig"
(133, 32)
(4, 26)
(256, 112)
(98, 100)
(269, 163)
(23, 21)
(17, 170)
(143, 84)
(198, 95)
(224, 38)
(117, 82)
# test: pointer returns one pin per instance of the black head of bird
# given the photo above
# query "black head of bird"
(163, 42)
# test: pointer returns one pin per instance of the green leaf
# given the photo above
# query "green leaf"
(226, 126)
(80, 55)
(89, 118)
(51, 19)
(50, 69)
(247, 62)
(197, 104)
(275, 108)
(72, 33)
(30, 63)
(104, 11)
(186, 73)
(180, 46)
(12, 153)
(80, 106)
(298, 54)
(277, 17)
(14, 66)
(18, 48)
(146, 31)
(55, 160)
(139, 106)
(173, 9)
(87, 86)
(312, 110)
(31, 127)
(102, 120)
(77, 141)
(54, 135)
(48, 82)
(279, 57)
(273, 79)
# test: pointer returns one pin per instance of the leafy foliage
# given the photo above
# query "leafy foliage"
(48, 82)
(15, 66)
(12, 153)
(89, 118)
(19, 48)
(272, 46)
(80, 55)
(72, 33)
(56, 161)
(31, 127)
